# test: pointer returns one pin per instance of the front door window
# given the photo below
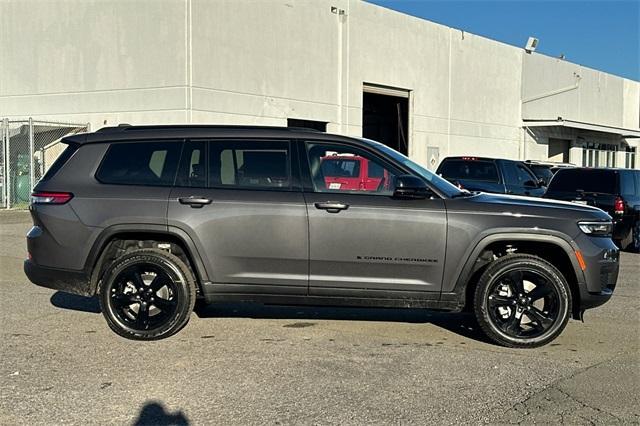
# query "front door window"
(344, 169)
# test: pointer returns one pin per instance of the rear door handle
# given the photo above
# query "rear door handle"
(194, 201)
(332, 207)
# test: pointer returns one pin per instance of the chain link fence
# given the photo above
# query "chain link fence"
(28, 149)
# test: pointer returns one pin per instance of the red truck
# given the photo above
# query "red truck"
(353, 173)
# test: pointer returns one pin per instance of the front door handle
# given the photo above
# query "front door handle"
(194, 201)
(332, 207)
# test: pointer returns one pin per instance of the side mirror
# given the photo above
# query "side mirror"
(409, 187)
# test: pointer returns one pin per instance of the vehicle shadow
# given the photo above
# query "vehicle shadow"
(463, 324)
(74, 302)
(155, 413)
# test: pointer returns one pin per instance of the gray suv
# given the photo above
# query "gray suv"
(152, 218)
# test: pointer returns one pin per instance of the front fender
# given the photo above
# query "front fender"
(465, 270)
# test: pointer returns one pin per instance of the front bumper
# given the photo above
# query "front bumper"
(602, 264)
(69, 281)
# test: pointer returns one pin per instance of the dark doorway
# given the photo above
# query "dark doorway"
(307, 124)
(385, 119)
(558, 150)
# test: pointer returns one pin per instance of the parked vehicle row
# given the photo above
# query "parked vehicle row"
(545, 170)
(151, 218)
(616, 191)
(491, 175)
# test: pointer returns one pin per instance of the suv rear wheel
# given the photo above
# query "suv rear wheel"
(147, 294)
(522, 301)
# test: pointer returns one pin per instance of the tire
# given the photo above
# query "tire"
(634, 245)
(147, 294)
(522, 301)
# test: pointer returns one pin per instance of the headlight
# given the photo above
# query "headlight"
(596, 229)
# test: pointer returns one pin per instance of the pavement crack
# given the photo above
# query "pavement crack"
(522, 407)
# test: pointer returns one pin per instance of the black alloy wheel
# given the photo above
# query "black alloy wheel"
(147, 294)
(519, 312)
(143, 296)
(522, 301)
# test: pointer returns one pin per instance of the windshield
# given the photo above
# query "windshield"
(443, 185)
(542, 172)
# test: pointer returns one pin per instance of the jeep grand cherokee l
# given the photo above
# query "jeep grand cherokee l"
(151, 218)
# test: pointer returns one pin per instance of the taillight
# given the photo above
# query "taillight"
(50, 197)
(618, 207)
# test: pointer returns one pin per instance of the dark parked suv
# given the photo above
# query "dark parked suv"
(152, 218)
(616, 191)
(491, 175)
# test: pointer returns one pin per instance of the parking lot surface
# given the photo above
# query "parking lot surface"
(249, 364)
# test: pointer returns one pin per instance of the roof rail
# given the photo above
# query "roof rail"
(128, 127)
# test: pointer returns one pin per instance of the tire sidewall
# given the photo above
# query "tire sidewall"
(183, 294)
(522, 263)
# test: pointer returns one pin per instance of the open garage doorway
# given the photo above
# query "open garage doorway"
(385, 116)
(558, 150)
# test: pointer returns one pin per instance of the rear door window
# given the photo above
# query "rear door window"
(140, 163)
(250, 164)
(587, 180)
(193, 165)
(469, 169)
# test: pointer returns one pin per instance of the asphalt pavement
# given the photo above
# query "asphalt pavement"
(252, 364)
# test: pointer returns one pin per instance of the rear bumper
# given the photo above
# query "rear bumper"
(69, 281)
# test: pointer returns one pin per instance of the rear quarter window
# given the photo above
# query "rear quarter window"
(472, 170)
(140, 163)
(62, 159)
(587, 180)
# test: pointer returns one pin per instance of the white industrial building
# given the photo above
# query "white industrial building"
(345, 65)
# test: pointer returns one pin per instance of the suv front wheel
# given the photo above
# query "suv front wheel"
(522, 301)
(147, 294)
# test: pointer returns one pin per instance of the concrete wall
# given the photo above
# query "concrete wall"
(261, 62)
(93, 60)
(554, 88)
